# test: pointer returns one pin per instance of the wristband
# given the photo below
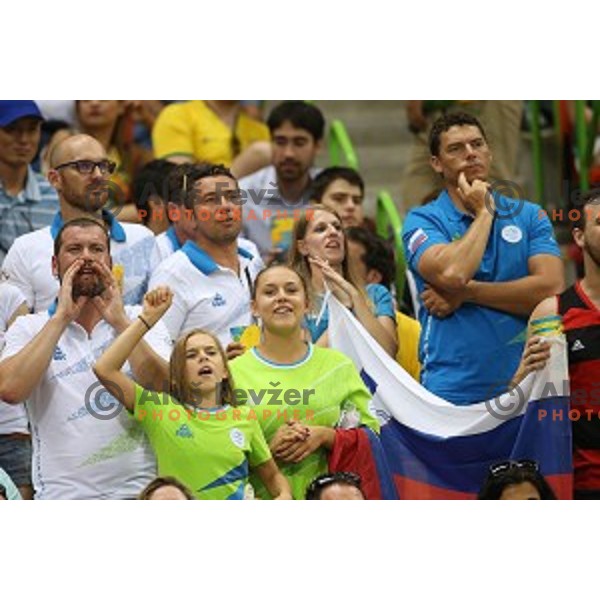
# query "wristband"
(148, 327)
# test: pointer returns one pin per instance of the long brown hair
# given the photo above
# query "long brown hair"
(178, 384)
(299, 262)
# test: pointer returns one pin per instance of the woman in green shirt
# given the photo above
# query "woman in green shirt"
(299, 392)
(197, 435)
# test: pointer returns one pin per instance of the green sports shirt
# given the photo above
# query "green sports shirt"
(324, 388)
(210, 451)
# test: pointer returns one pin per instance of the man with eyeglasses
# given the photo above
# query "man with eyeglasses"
(27, 201)
(212, 274)
(80, 172)
(481, 261)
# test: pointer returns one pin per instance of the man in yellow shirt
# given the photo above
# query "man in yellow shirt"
(213, 131)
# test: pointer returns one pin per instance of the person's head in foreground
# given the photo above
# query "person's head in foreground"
(516, 480)
(335, 486)
(165, 488)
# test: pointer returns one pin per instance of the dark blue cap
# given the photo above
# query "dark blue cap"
(11, 110)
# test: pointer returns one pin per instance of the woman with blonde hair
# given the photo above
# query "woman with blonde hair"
(319, 253)
(196, 432)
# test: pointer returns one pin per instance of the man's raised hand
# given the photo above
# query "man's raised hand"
(475, 196)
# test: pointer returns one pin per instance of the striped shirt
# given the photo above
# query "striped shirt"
(32, 208)
(581, 324)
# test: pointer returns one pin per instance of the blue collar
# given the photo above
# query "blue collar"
(245, 253)
(202, 261)
(173, 237)
(117, 233)
(304, 359)
(449, 208)
(52, 308)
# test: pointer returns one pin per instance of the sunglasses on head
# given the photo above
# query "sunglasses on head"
(502, 467)
(323, 481)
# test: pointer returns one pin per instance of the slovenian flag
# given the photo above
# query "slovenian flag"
(436, 450)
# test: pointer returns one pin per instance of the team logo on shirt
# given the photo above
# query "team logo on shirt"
(512, 234)
(237, 437)
(218, 300)
(185, 432)
(58, 354)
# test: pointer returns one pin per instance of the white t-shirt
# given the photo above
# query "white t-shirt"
(28, 264)
(13, 418)
(206, 295)
(77, 454)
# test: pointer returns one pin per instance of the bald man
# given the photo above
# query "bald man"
(80, 172)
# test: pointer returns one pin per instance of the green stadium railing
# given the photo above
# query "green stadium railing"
(341, 150)
(585, 135)
(533, 107)
(387, 220)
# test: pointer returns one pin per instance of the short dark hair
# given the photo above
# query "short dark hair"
(182, 178)
(160, 482)
(514, 474)
(151, 180)
(318, 485)
(80, 222)
(378, 254)
(301, 115)
(584, 200)
(445, 122)
(327, 176)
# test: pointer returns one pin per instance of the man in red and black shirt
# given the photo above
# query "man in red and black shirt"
(579, 307)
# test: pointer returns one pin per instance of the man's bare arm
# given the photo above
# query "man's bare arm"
(451, 266)
(521, 296)
(22, 372)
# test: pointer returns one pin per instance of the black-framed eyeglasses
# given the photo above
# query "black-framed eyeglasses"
(317, 485)
(502, 467)
(85, 167)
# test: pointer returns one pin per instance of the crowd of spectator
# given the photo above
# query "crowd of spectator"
(167, 265)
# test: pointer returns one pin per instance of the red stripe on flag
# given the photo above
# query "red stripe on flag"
(410, 489)
(562, 486)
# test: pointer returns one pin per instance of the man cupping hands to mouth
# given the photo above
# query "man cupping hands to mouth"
(84, 446)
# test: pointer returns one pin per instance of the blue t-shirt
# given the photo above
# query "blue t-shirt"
(471, 355)
(380, 297)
